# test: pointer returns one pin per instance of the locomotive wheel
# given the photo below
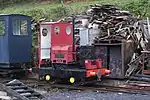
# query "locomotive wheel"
(47, 77)
(72, 80)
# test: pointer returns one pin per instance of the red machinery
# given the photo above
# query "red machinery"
(59, 56)
(94, 67)
(62, 43)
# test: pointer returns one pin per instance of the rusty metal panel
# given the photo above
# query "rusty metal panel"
(86, 52)
(115, 56)
(115, 61)
(101, 52)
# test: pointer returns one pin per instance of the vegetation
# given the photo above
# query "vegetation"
(139, 7)
(52, 10)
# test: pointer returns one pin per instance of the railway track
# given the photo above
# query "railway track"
(126, 88)
(102, 88)
(20, 91)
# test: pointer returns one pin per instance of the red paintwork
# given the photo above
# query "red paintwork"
(61, 39)
(95, 69)
(95, 72)
(39, 49)
(89, 65)
(104, 71)
(62, 43)
(91, 73)
(65, 50)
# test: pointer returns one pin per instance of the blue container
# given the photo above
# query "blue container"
(15, 39)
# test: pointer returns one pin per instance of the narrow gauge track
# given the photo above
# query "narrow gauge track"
(19, 90)
(127, 88)
(103, 89)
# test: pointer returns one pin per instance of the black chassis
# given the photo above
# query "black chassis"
(16, 70)
(78, 74)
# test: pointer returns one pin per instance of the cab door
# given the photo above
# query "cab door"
(4, 51)
(45, 42)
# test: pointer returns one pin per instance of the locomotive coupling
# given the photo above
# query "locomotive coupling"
(104, 71)
(94, 68)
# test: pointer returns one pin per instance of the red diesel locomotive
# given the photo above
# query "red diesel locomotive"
(61, 56)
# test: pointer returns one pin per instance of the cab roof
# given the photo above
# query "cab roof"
(14, 15)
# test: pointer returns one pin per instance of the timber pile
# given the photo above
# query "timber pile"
(116, 24)
(113, 22)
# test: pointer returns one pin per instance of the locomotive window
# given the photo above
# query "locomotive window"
(2, 27)
(44, 32)
(68, 30)
(20, 27)
(24, 27)
(56, 30)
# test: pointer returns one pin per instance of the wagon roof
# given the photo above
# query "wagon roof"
(14, 15)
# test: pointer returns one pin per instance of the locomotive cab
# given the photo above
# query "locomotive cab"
(15, 42)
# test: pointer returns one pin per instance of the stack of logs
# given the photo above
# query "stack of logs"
(117, 24)
(112, 22)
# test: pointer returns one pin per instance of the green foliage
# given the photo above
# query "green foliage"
(5, 3)
(51, 13)
(59, 12)
(140, 8)
(35, 13)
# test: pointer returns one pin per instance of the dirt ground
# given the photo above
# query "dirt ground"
(64, 94)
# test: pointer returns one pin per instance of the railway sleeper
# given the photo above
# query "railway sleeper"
(21, 91)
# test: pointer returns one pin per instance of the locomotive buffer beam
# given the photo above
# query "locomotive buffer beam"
(21, 91)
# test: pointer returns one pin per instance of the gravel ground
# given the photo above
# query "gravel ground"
(56, 94)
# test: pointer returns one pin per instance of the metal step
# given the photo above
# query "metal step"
(21, 91)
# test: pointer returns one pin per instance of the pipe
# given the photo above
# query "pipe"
(144, 76)
(73, 34)
(140, 79)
